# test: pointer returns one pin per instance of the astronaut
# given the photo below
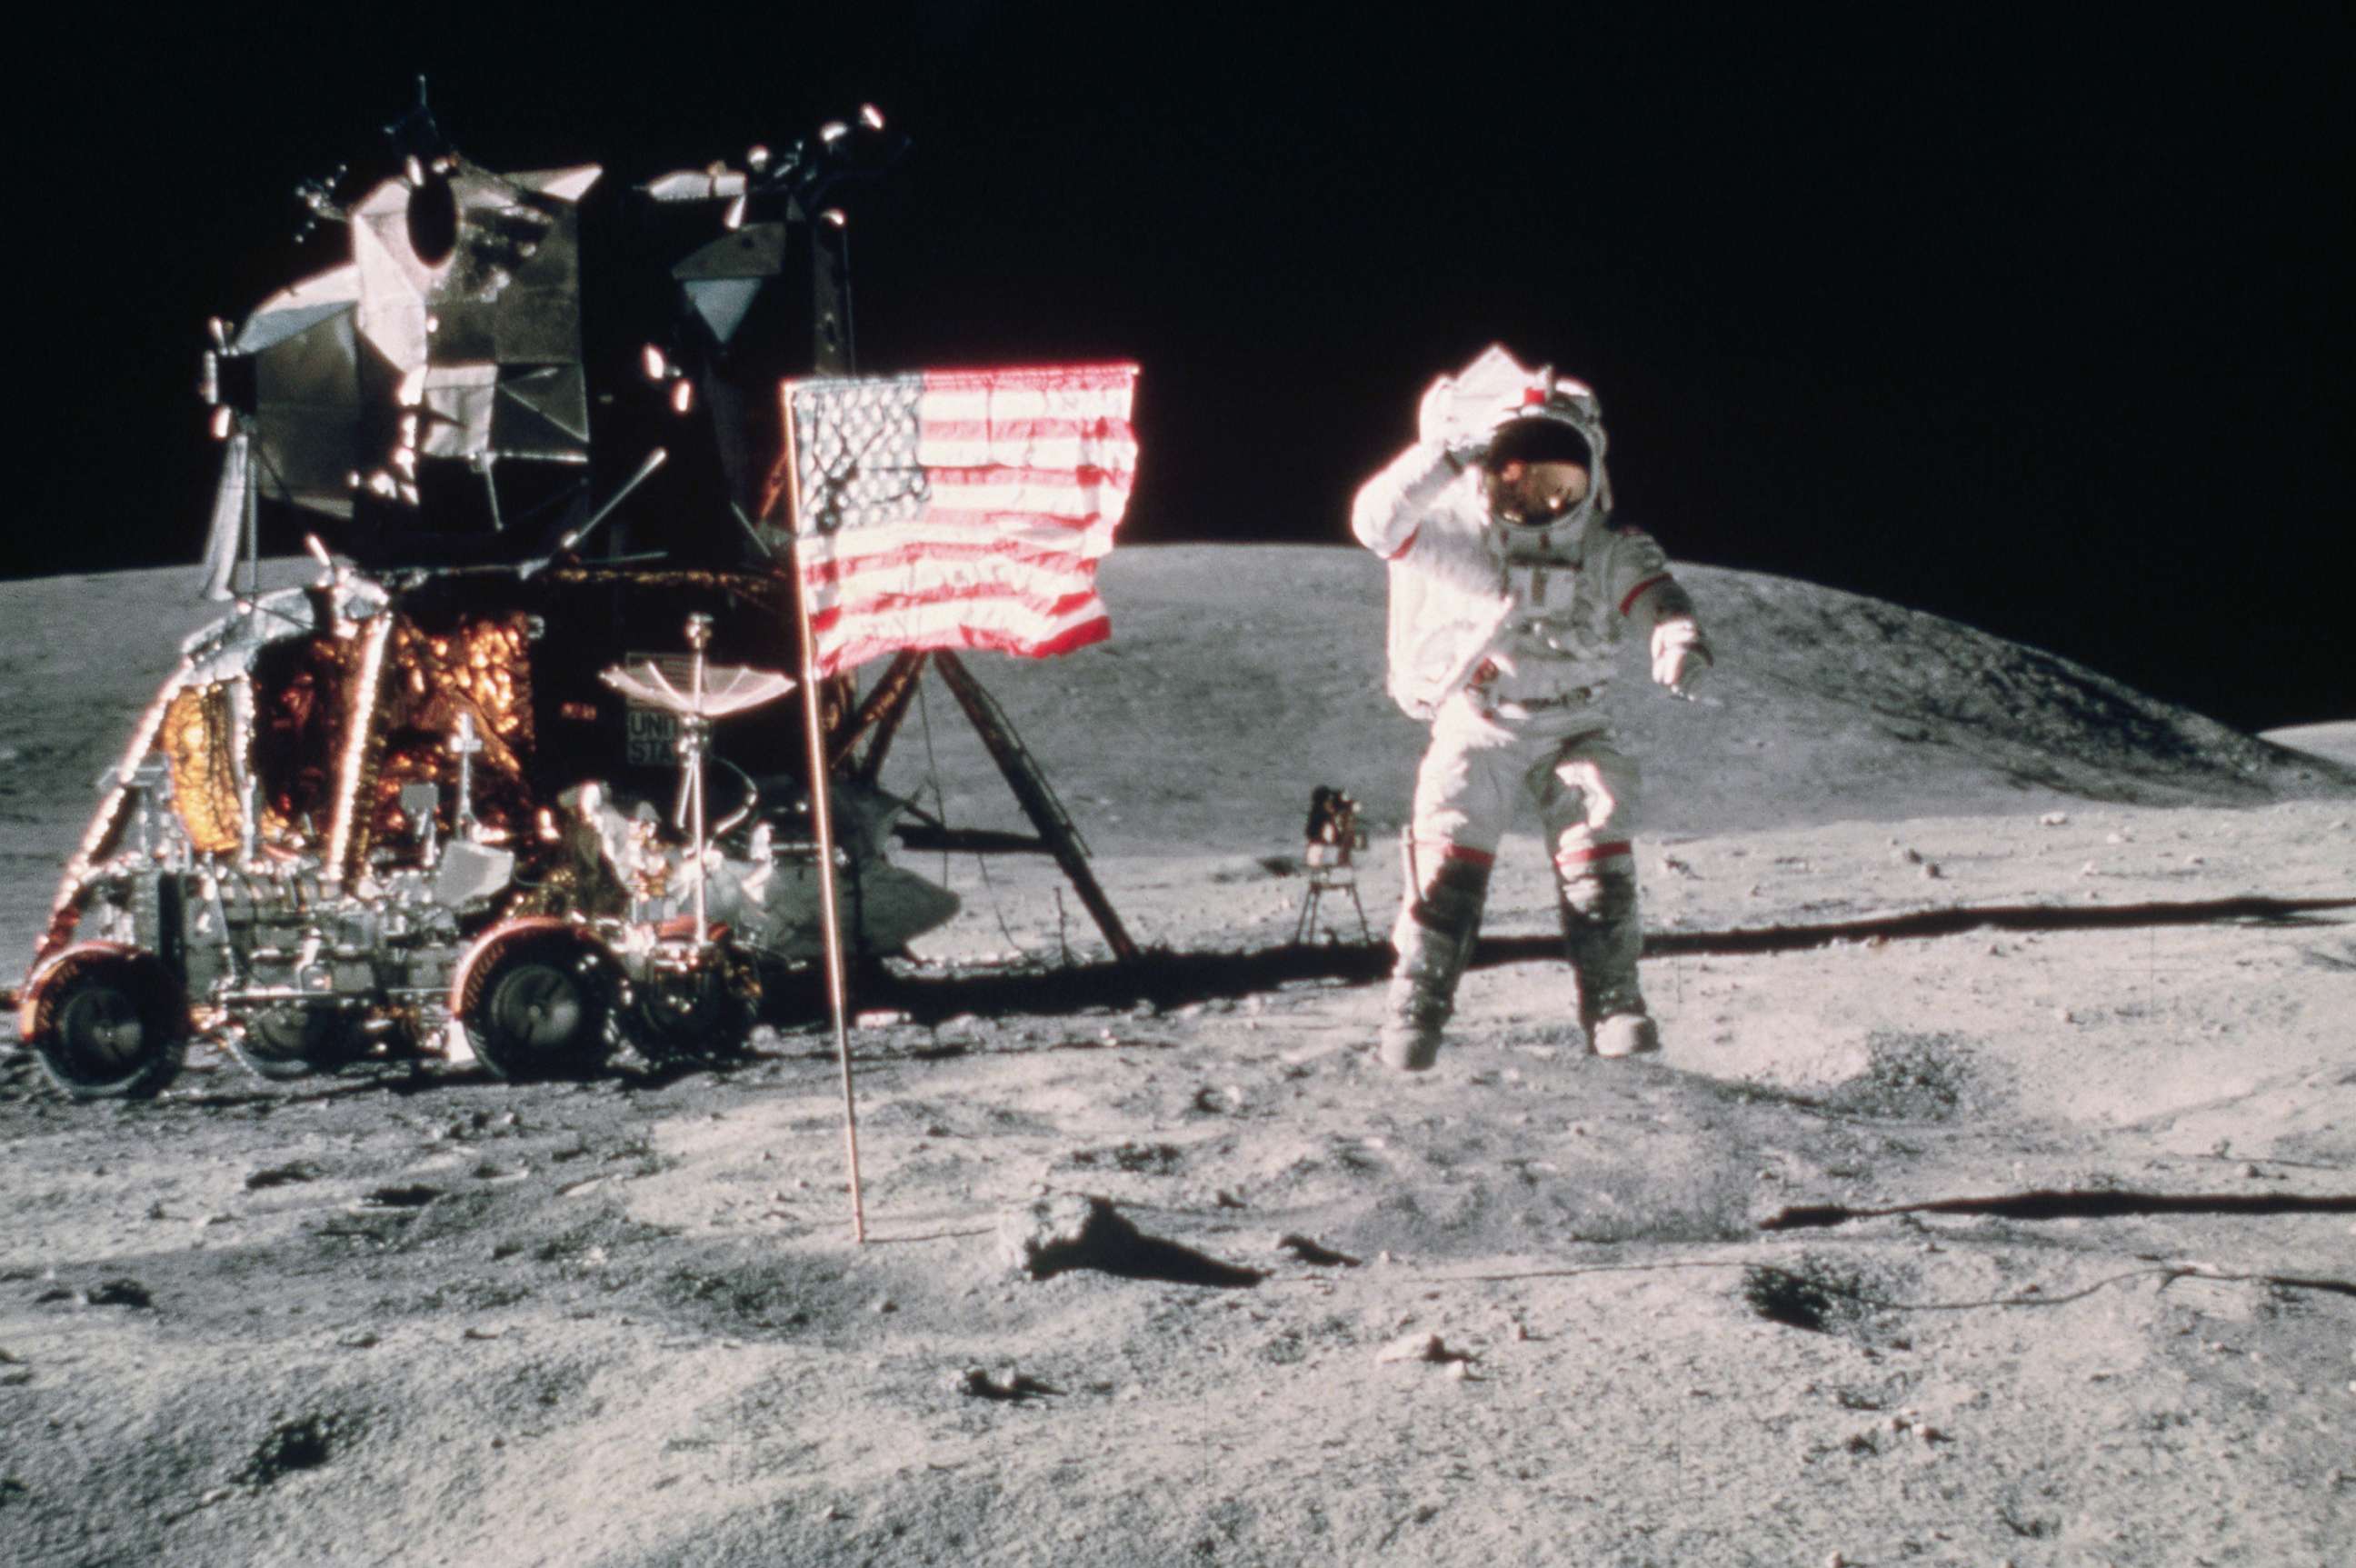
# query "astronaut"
(1510, 592)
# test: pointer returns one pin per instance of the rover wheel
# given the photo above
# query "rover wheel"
(535, 1007)
(702, 1017)
(295, 1039)
(111, 1025)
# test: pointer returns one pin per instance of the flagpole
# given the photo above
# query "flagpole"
(822, 822)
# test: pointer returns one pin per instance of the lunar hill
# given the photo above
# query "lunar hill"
(1240, 677)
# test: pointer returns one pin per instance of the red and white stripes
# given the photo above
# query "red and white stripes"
(1000, 491)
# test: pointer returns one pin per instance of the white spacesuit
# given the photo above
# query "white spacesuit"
(1510, 592)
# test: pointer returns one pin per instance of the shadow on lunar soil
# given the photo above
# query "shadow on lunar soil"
(1127, 1253)
(1170, 979)
(2105, 1203)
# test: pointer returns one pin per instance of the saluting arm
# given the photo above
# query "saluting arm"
(1393, 503)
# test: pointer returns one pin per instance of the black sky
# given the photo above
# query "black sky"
(2037, 322)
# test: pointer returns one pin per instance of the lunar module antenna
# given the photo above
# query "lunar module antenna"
(414, 132)
(319, 203)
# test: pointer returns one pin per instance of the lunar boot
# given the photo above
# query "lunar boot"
(1604, 936)
(1434, 937)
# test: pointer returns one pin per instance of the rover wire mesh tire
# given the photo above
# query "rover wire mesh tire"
(535, 1007)
(702, 1019)
(111, 1025)
(295, 1039)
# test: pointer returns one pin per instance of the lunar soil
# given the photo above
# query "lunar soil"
(1993, 1200)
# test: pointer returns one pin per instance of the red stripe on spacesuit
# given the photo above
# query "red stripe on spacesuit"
(1638, 591)
(1610, 850)
(1447, 850)
(1407, 545)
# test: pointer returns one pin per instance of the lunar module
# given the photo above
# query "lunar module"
(505, 765)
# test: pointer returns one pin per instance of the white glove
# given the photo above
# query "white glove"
(1681, 659)
(1441, 421)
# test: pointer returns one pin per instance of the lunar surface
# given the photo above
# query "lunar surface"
(1994, 1199)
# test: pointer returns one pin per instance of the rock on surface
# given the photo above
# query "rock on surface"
(1062, 1230)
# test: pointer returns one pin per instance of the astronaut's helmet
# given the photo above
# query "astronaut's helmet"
(1543, 470)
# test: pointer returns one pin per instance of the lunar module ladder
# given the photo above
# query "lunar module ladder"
(886, 704)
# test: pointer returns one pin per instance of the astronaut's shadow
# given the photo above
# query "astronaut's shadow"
(1169, 978)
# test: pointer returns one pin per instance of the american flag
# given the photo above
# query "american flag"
(958, 509)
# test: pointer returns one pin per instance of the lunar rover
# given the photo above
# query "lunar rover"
(451, 793)
(357, 814)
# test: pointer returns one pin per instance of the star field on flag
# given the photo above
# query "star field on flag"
(958, 509)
